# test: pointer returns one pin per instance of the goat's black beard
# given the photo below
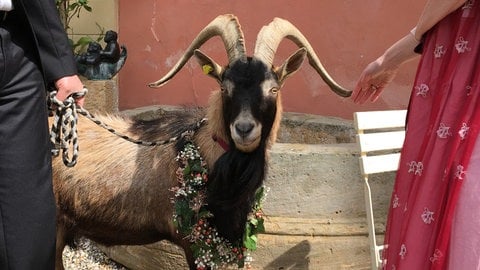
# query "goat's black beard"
(232, 184)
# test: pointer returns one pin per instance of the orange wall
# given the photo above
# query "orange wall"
(346, 34)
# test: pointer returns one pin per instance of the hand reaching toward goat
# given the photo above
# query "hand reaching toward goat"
(382, 71)
(372, 81)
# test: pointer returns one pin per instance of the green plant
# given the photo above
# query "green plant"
(69, 9)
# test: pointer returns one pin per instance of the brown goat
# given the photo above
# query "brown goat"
(119, 192)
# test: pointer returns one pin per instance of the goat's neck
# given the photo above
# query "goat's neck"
(209, 148)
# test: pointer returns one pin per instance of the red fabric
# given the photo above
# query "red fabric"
(442, 127)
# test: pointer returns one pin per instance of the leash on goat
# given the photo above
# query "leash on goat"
(63, 134)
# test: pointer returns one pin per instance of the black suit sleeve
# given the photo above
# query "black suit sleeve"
(54, 49)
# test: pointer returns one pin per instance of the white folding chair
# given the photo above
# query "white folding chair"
(380, 136)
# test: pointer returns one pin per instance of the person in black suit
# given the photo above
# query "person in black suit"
(34, 52)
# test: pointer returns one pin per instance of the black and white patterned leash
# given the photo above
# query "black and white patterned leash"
(63, 134)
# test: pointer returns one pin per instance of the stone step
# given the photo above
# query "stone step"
(288, 244)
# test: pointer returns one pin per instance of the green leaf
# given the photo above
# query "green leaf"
(184, 216)
(204, 214)
(260, 228)
(259, 194)
(249, 239)
(251, 242)
(187, 170)
(82, 44)
(73, 6)
(84, 40)
(197, 167)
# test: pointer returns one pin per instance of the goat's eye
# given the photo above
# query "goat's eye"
(274, 90)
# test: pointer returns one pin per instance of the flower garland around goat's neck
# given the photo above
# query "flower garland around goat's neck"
(191, 216)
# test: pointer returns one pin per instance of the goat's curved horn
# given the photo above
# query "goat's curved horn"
(227, 27)
(270, 37)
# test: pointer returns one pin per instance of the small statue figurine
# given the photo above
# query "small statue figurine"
(111, 53)
(102, 64)
(92, 56)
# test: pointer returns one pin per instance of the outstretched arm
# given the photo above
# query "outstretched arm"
(381, 72)
(433, 12)
(378, 74)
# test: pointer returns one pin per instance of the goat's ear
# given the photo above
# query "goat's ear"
(209, 66)
(291, 65)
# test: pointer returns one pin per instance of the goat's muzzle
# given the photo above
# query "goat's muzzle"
(246, 134)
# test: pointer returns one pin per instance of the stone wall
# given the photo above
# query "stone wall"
(102, 95)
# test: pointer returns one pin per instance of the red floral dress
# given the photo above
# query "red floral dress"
(434, 216)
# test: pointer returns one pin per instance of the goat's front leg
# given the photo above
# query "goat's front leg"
(60, 245)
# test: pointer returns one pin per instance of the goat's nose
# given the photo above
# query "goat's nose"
(243, 128)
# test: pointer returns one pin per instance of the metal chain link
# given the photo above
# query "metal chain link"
(63, 134)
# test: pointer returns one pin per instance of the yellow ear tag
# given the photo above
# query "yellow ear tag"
(207, 69)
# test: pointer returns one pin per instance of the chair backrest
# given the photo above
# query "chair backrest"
(380, 136)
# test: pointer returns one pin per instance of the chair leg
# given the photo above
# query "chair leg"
(374, 251)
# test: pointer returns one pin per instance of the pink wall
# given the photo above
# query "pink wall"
(346, 34)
